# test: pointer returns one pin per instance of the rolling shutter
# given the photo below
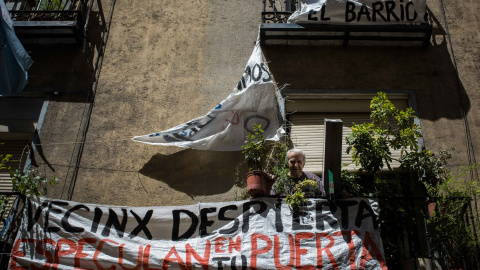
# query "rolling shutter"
(15, 148)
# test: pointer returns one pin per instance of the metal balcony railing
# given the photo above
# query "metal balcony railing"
(275, 30)
(413, 239)
(10, 219)
(278, 11)
(45, 10)
(46, 22)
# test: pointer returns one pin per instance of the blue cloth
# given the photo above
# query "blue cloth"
(14, 60)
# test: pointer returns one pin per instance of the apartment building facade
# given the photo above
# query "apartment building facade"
(128, 68)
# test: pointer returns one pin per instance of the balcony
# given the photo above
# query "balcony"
(47, 22)
(323, 30)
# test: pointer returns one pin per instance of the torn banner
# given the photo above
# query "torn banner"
(14, 60)
(361, 12)
(253, 101)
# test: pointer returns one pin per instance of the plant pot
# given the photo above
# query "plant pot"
(257, 183)
(269, 181)
(309, 191)
(432, 206)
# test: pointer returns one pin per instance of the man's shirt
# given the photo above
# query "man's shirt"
(305, 175)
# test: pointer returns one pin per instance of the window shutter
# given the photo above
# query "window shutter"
(15, 148)
(307, 131)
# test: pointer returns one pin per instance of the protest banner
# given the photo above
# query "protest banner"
(253, 101)
(257, 234)
(359, 12)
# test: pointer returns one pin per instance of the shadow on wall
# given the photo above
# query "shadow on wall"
(446, 96)
(431, 73)
(67, 69)
(195, 172)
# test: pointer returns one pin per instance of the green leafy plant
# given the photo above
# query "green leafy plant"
(51, 4)
(297, 197)
(28, 182)
(370, 143)
(453, 234)
(4, 159)
(255, 149)
(371, 146)
(349, 182)
(271, 158)
(280, 168)
(306, 184)
(422, 173)
(428, 168)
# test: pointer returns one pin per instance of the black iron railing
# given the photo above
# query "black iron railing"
(50, 22)
(275, 30)
(10, 219)
(416, 236)
(278, 11)
(46, 10)
(439, 237)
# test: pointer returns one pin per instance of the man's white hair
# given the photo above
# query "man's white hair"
(297, 151)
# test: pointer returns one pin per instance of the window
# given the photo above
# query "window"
(307, 110)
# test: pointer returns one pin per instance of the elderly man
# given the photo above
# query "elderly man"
(296, 161)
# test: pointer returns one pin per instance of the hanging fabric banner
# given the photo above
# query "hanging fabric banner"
(253, 101)
(14, 60)
(257, 234)
(359, 12)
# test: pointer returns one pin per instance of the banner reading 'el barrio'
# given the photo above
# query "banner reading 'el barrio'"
(361, 12)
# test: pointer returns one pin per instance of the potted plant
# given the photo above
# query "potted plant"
(309, 187)
(349, 182)
(295, 199)
(421, 174)
(280, 168)
(303, 190)
(255, 151)
(457, 239)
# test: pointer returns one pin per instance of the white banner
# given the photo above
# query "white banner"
(256, 234)
(359, 12)
(224, 128)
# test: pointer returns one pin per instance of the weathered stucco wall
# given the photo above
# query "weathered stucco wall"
(164, 64)
(167, 63)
